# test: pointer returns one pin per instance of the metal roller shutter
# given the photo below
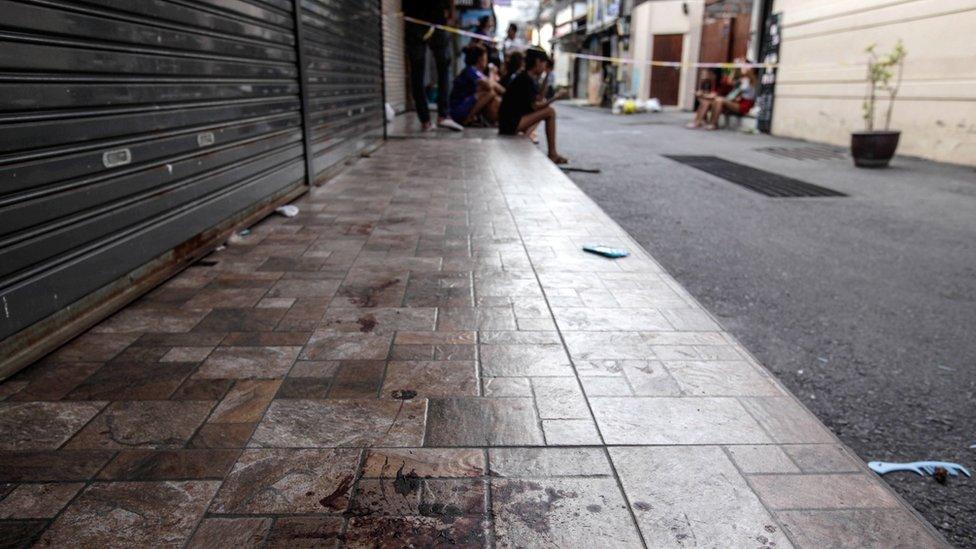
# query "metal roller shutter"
(342, 59)
(394, 55)
(128, 130)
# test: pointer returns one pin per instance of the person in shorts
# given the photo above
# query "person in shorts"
(522, 109)
(475, 94)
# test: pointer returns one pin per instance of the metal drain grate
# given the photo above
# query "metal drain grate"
(762, 182)
(805, 153)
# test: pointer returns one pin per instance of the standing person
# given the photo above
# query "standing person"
(418, 39)
(521, 108)
(512, 42)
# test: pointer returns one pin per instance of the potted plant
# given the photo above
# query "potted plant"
(874, 148)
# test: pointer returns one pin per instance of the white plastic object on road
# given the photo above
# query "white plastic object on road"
(288, 211)
(390, 112)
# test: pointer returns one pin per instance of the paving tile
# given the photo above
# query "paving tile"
(186, 354)
(608, 346)
(335, 423)
(475, 318)
(193, 339)
(230, 532)
(302, 532)
(507, 386)
(357, 379)
(570, 432)
(95, 346)
(379, 320)
(303, 288)
(332, 345)
(482, 422)
(675, 421)
(595, 319)
(766, 458)
(865, 528)
(246, 401)
(430, 378)
(268, 481)
(51, 465)
(222, 435)
(51, 381)
(720, 378)
(305, 387)
(786, 421)
(133, 321)
(548, 462)
(436, 338)
(606, 386)
(133, 381)
(169, 465)
(132, 514)
(365, 288)
(248, 362)
(559, 398)
(822, 491)
(693, 496)
(823, 458)
(424, 462)
(315, 368)
(524, 360)
(561, 512)
(143, 424)
(227, 298)
(240, 320)
(202, 389)
(266, 339)
(415, 531)
(20, 533)
(38, 501)
(690, 320)
(42, 425)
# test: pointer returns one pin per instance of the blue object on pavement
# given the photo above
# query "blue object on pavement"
(606, 251)
(918, 467)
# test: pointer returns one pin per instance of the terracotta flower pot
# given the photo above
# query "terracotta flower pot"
(874, 149)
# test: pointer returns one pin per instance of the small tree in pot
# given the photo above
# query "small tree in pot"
(874, 148)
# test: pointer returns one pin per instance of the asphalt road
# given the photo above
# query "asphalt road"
(864, 306)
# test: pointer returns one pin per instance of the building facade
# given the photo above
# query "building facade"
(671, 31)
(821, 81)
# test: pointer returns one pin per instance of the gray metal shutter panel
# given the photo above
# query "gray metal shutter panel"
(342, 58)
(129, 128)
(394, 56)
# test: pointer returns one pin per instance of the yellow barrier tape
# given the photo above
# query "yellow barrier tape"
(446, 28)
(674, 64)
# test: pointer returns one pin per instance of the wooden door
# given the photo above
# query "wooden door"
(665, 80)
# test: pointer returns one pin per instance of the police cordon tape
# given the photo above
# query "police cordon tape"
(617, 60)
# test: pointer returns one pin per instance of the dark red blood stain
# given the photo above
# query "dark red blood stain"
(366, 323)
(309, 494)
(770, 528)
(404, 394)
(406, 483)
(366, 297)
(340, 492)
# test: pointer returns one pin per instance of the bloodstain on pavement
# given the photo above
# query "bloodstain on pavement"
(330, 500)
(366, 323)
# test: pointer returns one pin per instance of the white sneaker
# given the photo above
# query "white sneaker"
(450, 124)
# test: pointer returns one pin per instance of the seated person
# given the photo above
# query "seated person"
(473, 93)
(513, 64)
(522, 109)
(739, 101)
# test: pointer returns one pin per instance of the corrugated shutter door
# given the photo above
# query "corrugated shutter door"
(127, 129)
(342, 58)
(394, 58)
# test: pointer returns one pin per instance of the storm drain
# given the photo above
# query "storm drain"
(760, 181)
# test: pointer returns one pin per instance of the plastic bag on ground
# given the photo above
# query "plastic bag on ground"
(288, 211)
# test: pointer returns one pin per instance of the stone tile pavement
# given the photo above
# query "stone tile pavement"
(424, 356)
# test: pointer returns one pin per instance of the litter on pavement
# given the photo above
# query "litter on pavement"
(581, 170)
(918, 467)
(606, 251)
(288, 211)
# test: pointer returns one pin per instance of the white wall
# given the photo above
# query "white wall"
(666, 17)
(821, 81)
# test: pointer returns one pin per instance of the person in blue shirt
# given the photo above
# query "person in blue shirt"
(474, 93)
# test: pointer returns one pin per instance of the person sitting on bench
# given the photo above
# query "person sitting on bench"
(739, 101)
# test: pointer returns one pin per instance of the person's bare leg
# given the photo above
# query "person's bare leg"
(549, 115)
(491, 111)
(481, 100)
(704, 105)
(716, 112)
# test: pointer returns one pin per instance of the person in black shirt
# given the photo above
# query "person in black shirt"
(522, 109)
(419, 38)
